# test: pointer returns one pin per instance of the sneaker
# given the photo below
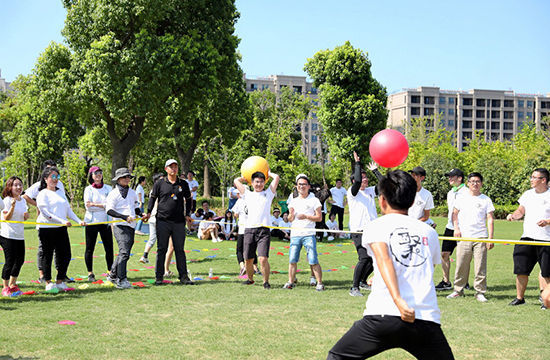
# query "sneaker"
(480, 297)
(312, 281)
(542, 307)
(455, 294)
(110, 278)
(6, 292)
(91, 278)
(248, 282)
(320, 287)
(62, 286)
(220, 239)
(467, 287)
(14, 289)
(330, 238)
(355, 292)
(267, 286)
(68, 280)
(168, 274)
(444, 286)
(517, 302)
(51, 288)
(288, 285)
(123, 284)
(257, 272)
(364, 286)
(186, 281)
(159, 282)
(144, 260)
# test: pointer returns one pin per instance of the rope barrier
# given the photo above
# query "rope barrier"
(72, 225)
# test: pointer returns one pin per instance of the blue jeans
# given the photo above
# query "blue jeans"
(309, 242)
(140, 222)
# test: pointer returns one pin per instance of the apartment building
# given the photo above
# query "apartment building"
(498, 114)
(310, 129)
(4, 85)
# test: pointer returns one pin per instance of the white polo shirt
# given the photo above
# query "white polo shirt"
(338, 196)
(362, 208)
(127, 206)
(259, 207)
(472, 214)
(305, 206)
(537, 207)
(423, 200)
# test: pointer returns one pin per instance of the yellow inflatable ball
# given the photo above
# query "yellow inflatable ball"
(254, 164)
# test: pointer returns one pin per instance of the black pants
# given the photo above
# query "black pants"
(321, 225)
(278, 233)
(240, 247)
(375, 333)
(55, 239)
(364, 266)
(14, 253)
(106, 234)
(165, 229)
(340, 212)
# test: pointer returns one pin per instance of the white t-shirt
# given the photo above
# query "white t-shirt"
(338, 196)
(227, 226)
(472, 214)
(414, 250)
(123, 206)
(451, 198)
(192, 184)
(422, 201)
(54, 208)
(305, 206)
(537, 207)
(333, 225)
(259, 207)
(285, 224)
(98, 196)
(362, 208)
(196, 219)
(11, 230)
(33, 190)
(140, 191)
(232, 193)
(275, 220)
(241, 211)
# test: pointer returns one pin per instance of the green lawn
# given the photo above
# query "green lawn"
(221, 319)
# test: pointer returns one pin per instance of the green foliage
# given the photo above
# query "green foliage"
(352, 102)
(74, 176)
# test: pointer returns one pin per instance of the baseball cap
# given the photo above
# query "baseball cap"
(302, 176)
(418, 170)
(170, 162)
(455, 172)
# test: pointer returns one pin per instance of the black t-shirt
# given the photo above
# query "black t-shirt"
(171, 200)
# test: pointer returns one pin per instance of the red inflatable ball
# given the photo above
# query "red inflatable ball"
(389, 148)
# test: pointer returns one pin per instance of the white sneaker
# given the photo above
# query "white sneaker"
(62, 286)
(220, 239)
(320, 287)
(454, 295)
(123, 284)
(312, 281)
(144, 260)
(480, 297)
(330, 238)
(50, 286)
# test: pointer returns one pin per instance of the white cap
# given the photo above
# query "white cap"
(170, 162)
(302, 176)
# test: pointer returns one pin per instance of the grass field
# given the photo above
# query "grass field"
(221, 319)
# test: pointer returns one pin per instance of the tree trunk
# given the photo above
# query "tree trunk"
(222, 187)
(206, 180)
(185, 157)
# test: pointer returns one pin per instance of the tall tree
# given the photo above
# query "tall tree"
(352, 102)
(131, 56)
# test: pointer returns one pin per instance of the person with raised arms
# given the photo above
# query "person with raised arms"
(401, 310)
(55, 210)
(257, 234)
(304, 212)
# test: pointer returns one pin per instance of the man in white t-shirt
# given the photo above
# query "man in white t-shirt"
(304, 212)
(257, 234)
(338, 202)
(534, 204)
(472, 218)
(401, 311)
(423, 201)
(456, 180)
(193, 186)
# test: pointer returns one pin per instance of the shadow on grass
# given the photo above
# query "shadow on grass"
(9, 357)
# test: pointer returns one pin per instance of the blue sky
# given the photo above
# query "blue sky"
(481, 44)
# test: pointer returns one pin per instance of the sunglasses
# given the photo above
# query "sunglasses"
(55, 177)
(98, 172)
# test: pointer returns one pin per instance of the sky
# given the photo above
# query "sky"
(456, 45)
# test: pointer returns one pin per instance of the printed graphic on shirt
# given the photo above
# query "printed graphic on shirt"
(407, 249)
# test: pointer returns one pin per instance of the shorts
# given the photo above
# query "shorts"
(448, 245)
(256, 240)
(526, 257)
(309, 242)
(376, 333)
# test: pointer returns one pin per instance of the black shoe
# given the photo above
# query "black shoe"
(467, 287)
(248, 282)
(516, 302)
(186, 281)
(159, 282)
(91, 278)
(67, 280)
(267, 286)
(444, 286)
